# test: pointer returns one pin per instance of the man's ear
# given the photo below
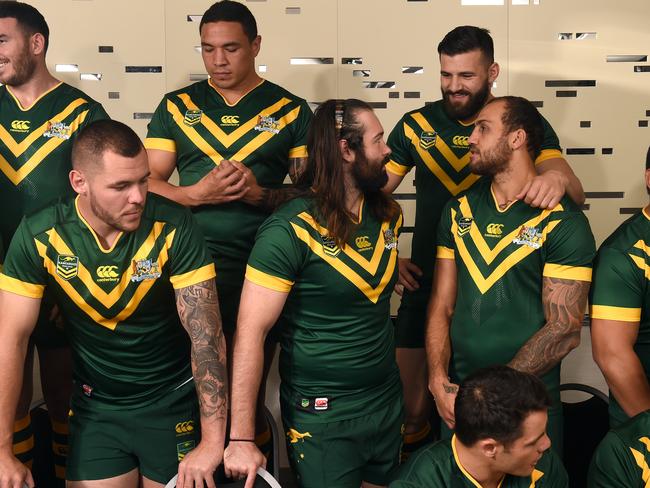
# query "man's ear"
(79, 182)
(346, 152)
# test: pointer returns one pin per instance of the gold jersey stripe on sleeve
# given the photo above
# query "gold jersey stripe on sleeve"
(18, 148)
(436, 169)
(16, 176)
(641, 264)
(443, 252)
(485, 283)
(641, 463)
(193, 135)
(161, 144)
(298, 152)
(456, 162)
(396, 168)
(268, 281)
(12, 285)
(565, 272)
(624, 314)
(228, 139)
(193, 277)
(547, 154)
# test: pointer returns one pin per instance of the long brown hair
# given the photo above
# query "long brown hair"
(324, 178)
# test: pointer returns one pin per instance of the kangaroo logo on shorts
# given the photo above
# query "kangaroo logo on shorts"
(67, 266)
(296, 436)
(428, 139)
(192, 117)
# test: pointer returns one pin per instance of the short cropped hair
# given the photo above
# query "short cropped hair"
(647, 159)
(30, 20)
(466, 38)
(229, 11)
(101, 136)
(519, 113)
(494, 402)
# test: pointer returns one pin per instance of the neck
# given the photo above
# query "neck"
(234, 94)
(36, 86)
(352, 196)
(474, 463)
(509, 183)
(105, 233)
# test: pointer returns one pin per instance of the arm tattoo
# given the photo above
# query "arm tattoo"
(198, 309)
(451, 389)
(564, 306)
(272, 198)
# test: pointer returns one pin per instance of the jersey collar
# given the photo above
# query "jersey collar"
(25, 109)
(462, 468)
(240, 98)
(94, 234)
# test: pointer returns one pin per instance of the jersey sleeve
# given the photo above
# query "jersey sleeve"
(550, 472)
(96, 112)
(23, 271)
(276, 258)
(159, 134)
(190, 262)
(550, 145)
(570, 249)
(617, 292)
(445, 245)
(612, 466)
(301, 128)
(401, 160)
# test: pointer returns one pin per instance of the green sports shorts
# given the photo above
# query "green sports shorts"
(153, 438)
(344, 453)
(411, 318)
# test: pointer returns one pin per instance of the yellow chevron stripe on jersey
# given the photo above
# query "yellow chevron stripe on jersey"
(370, 265)
(228, 139)
(18, 148)
(646, 442)
(456, 162)
(110, 299)
(12, 285)
(140, 292)
(16, 176)
(607, 312)
(371, 293)
(535, 476)
(641, 264)
(193, 135)
(435, 168)
(485, 283)
(490, 254)
(641, 463)
(264, 136)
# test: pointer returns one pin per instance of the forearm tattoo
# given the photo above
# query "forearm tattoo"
(564, 306)
(272, 198)
(198, 309)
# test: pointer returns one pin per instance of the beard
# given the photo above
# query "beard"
(468, 110)
(491, 161)
(110, 219)
(369, 177)
(24, 66)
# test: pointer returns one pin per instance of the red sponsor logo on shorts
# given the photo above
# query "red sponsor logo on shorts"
(87, 390)
(321, 404)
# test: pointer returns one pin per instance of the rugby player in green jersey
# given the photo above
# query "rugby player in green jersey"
(622, 459)
(500, 439)
(129, 271)
(434, 140)
(329, 259)
(511, 280)
(40, 117)
(620, 314)
(233, 138)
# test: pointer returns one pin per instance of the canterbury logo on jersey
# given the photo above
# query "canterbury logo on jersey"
(107, 273)
(461, 141)
(210, 138)
(184, 427)
(363, 243)
(494, 230)
(20, 125)
(25, 156)
(230, 120)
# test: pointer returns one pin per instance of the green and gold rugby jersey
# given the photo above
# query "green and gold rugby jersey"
(620, 290)
(622, 460)
(35, 147)
(338, 357)
(438, 466)
(128, 344)
(501, 257)
(263, 130)
(438, 148)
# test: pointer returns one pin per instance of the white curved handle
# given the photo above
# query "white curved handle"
(260, 471)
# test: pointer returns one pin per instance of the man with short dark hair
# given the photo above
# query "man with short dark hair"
(329, 259)
(233, 138)
(620, 314)
(500, 438)
(114, 258)
(434, 140)
(40, 118)
(511, 280)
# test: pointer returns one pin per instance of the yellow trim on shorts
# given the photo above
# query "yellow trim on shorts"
(23, 423)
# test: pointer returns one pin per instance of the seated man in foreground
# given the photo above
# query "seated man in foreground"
(500, 438)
